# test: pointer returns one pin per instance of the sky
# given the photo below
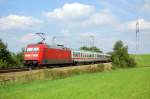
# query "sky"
(75, 23)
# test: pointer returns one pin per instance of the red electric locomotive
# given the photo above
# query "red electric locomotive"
(43, 54)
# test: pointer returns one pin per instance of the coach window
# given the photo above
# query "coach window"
(90, 55)
(77, 54)
(73, 54)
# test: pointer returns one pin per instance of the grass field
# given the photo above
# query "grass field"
(143, 60)
(117, 84)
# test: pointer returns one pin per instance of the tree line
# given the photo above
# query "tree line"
(9, 59)
(92, 49)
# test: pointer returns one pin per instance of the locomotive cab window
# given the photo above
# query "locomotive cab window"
(29, 49)
(32, 49)
(35, 49)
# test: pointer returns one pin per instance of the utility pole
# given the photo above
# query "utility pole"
(92, 40)
(137, 37)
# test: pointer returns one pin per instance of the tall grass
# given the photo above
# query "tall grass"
(55, 73)
(118, 84)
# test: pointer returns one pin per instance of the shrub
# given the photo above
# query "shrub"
(3, 64)
(120, 56)
(5, 56)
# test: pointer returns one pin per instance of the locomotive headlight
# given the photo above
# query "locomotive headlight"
(27, 55)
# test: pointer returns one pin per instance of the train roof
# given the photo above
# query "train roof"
(48, 46)
(83, 51)
(63, 47)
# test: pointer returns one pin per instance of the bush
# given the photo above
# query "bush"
(120, 57)
(5, 56)
(3, 64)
(18, 58)
(8, 59)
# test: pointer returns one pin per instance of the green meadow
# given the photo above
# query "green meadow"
(131, 83)
(116, 84)
(142, 60)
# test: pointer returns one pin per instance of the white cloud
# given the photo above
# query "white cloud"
(18, 22)
(77, 15)
(100, 18)
(145, 6)
(70, 11)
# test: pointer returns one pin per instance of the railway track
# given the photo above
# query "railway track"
(24, 69)
(13, 70)
(28, 69)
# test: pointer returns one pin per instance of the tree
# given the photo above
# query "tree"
(84, 48)
(120, 56)
(93, 49)
(6, 59)
(18, 57)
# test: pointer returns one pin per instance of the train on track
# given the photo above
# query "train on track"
(42, 54)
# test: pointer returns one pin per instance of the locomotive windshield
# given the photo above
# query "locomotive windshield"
(32, 49)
